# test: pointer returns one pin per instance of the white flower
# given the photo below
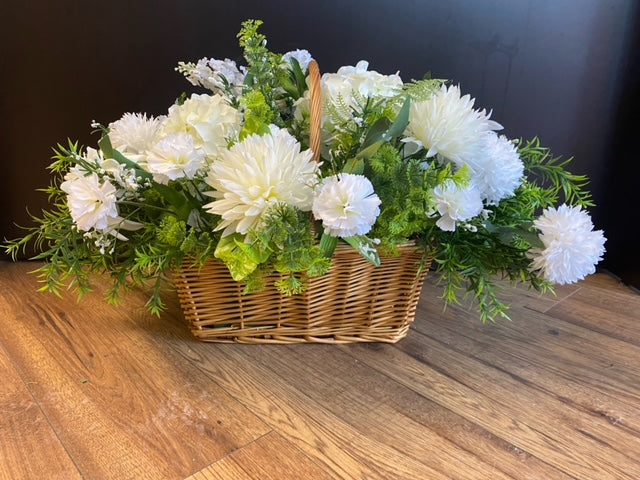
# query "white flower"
(456, 204)
(367, 83)
(92, 202)
(302, 56)
(446, 124)
(258, 173)
(572, 247)
(346, 204)
(175, 156)
(213, 74)
(498, 169)
(134, 134)
(207, 118)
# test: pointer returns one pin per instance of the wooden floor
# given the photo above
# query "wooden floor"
(97, 392)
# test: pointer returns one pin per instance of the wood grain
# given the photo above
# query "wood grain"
(95, 391)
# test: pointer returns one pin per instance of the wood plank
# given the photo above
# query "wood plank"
(273, 458)
(577, 444)
(560, 344)
(125, 408)
(392, 413)
(593, 307)
(553, 367)
(224, 469)
(339, 448)
(29, 448)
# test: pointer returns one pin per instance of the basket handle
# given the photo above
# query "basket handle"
(315, 108)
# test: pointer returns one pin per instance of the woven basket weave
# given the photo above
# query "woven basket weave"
(354, 302)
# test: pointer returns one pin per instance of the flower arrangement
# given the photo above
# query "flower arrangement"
(229, 174)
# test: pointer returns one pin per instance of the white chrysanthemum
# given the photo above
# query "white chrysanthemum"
(214, 74)
(258, 173)
(209, 119)
(134, 133)
(92, 202)
(175, 156)
(498, 170)
(302, 56)
(456, 204)
(346, 204)
(571, 247)
(446, 124)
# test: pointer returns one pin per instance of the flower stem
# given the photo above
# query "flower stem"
(328, 244)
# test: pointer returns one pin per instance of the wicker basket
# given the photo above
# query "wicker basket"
(354, 302)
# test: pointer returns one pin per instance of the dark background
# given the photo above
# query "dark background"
(566, 70)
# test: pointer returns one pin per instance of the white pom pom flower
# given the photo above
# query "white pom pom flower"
(498, 170)
(134, 134)
(346, 204)
(571, 247)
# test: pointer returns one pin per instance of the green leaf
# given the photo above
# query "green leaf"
(237, 255)
(401, 121)
(354, 165)
(365, 247)
(376, 132)
(109, 152)
(299, 76)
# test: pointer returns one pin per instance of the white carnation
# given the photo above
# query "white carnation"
(256, 174)
(446, 124)
(346, 204)
(209, 119)
(456, 204)
(571, 247)
(175, 156)
(91, 201)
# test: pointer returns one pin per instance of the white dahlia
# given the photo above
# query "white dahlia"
(258, 173)
(456, 204)
(446, 124)
(571, 247)
(134, 133)
(175, 156)
(209, 119)
(346, 204)
(92, 202)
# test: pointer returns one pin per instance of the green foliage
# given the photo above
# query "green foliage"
(539, 161)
